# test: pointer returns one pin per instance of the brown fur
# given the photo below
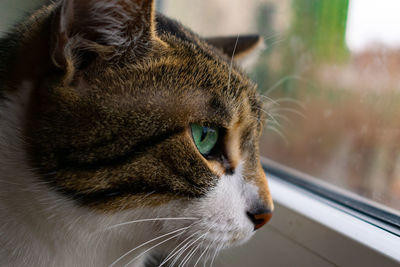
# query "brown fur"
(107, 125)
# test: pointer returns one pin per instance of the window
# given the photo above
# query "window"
(330, 77)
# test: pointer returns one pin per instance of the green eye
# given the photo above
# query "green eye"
(205, 138)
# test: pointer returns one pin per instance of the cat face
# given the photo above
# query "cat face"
(116, 123)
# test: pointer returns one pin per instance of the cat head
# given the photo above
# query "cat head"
(131, 112)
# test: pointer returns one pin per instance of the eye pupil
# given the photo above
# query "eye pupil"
(205, 138)
(204, 134)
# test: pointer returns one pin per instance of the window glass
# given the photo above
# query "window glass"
(330, 77)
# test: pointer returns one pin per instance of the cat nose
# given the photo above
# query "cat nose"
(259, 217)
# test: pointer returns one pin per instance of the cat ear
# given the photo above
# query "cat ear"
(103, 27)
(244, 49)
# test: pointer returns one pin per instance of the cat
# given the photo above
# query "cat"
(125, 139)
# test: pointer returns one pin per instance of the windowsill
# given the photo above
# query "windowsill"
(329, 230)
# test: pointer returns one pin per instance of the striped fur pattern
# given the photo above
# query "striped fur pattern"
(97, 163)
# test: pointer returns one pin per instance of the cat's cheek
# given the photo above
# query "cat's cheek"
(222, 212)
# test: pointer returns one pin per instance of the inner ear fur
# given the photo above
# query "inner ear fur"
(106, 28)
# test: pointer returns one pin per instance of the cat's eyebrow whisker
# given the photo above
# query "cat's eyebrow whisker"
(276, 85)
(280, 82)
(269, 115)
(272, 35)
(279, 133)
(290, 100)
(290, 110)
(274, 124)
(258, 119)
(181, 230)
(283, 117)
(278, 41)
(149, 220)
(273, 101)
(231, 63)
(289, 77)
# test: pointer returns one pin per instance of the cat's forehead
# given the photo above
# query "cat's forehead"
(187, 76)
(179, 88)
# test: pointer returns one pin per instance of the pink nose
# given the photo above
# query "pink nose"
(259, 219)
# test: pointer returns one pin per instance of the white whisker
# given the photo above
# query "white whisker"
(148, 220)
(198, 246)
(215, 254)
(290, 100)
(279, 133)
(201, 255)
(184, 248)
(269, 115)
(190, 253)
(270, 99)
(184, 260)
(280, 82)
(208, 253)
(259, 122)
(278, 41)
(291, 110)
(156, 245)
(170, 255)
(288, 77)
(145, 243)
(283, 117)
(231, 63)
